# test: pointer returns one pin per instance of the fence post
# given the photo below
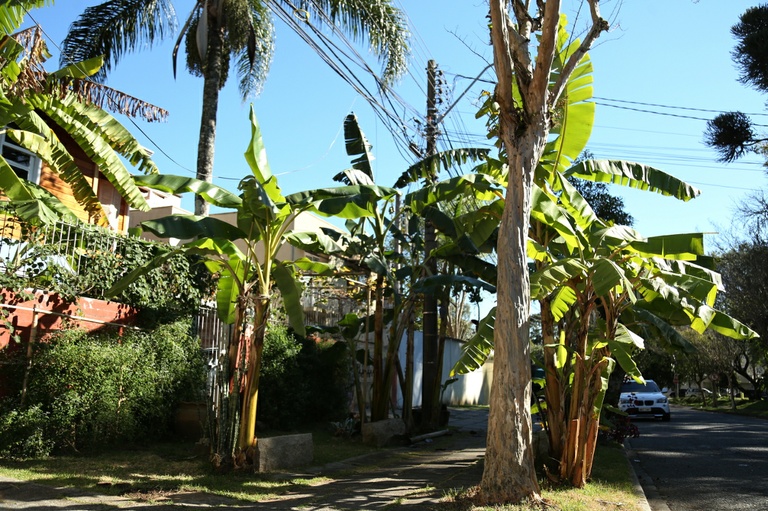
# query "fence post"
(30, 351)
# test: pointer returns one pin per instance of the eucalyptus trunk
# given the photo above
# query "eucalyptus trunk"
(509, 474)
(212, 83)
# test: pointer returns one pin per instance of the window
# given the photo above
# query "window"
(24, 163)
(633, 386)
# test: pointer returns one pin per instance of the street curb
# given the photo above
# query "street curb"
(651, 500)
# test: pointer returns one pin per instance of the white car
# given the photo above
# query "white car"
(643, 400)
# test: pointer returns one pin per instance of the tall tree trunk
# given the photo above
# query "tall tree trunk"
(509, 474)
(211, 87)
(525, 99)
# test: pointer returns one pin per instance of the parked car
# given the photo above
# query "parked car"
(697, 392)
(644, 400)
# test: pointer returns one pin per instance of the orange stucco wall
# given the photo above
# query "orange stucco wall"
(21, 314)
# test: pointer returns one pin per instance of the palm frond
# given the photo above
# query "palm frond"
(379, 21)
(116, 27)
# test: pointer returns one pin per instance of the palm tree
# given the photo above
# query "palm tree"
(218, 32)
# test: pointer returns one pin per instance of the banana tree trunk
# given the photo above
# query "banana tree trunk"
(380, 396)
(554, 389)
(212, 83)
(246, 445)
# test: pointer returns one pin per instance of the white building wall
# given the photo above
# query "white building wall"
(469, 389)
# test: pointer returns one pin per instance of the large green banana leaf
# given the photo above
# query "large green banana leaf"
(256, 153)
(188, 227)
(576, 206)
(547, 212)
(343, 202)
(290, 290)
(634, 175)
(575, 115)
(652, 327)
(212, 194)
(686, 247)
(428, 167)
(475, 352)
(480, 186)
(316, 243)
(359, 149)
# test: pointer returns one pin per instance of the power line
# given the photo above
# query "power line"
(670, 106)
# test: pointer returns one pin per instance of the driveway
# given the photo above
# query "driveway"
(703, 461)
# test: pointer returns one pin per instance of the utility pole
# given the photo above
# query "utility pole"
(429, 384)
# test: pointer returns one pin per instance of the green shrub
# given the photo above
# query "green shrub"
(302, 382)
(97, 389)
(22, 433)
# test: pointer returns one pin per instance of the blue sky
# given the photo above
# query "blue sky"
(660, 52)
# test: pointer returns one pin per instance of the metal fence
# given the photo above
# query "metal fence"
(66, 244)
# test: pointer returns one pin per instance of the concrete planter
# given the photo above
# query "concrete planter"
(384, 432)
(189, 420)
(286, 451)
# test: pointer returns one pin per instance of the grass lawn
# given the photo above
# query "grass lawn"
(149, 472)
(173, 467)
(611, 489)
(758, 408)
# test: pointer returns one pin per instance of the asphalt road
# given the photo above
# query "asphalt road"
(702, 461)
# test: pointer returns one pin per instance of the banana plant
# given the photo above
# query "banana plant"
(36, 107)
(603, 289)
(366, 244)
(244, 256)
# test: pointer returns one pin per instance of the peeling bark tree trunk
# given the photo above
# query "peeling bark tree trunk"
(524, 123)
(509, 474)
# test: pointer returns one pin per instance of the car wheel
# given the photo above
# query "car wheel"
(666, 417)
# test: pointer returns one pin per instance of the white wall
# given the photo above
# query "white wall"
(470, 389)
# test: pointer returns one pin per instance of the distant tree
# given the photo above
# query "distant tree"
(745, 278)
(695, 367)
(733, 134)
(606, 206)
(657, 363)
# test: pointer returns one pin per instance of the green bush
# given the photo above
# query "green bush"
(302, 382)
(22, 433)
(93, 390)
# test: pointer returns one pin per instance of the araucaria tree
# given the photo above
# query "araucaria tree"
(732, 134)
(220, 32)
(526, 96)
